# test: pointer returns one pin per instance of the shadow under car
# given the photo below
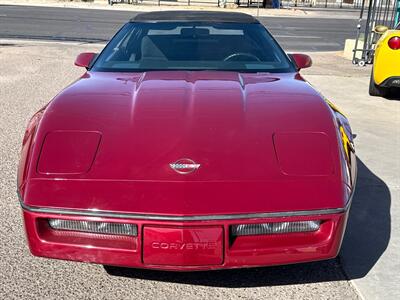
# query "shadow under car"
(366, 238)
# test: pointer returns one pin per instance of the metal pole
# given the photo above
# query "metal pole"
(368, 29)
(392, 16)
(358, 32)
(386, 13)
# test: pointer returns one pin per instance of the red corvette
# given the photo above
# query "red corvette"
(190, 143)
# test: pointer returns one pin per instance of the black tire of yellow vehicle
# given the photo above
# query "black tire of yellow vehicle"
(375, 90)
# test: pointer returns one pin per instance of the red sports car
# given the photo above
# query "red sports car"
(190, 143)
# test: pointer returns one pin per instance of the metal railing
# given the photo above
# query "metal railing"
(171, 2)
(252, 3)
(379, 12)
(325, 3)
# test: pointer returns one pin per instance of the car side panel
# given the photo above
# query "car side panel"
(27, 145)
(386, 61)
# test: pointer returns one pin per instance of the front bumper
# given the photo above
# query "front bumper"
(391, 82)
(187, 244)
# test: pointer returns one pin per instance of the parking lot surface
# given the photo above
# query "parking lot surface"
(33, 72)
(88, 25)
(370, 253)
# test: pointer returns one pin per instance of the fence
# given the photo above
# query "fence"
(324, 3)
(174, 2)
(253, 3)
(380, 12)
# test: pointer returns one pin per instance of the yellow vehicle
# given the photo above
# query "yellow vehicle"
(386, 69)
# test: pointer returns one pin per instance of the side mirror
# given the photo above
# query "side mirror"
(84, 59)
(380, 29)
(302, 61)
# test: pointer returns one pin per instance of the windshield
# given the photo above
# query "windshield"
(193, 46)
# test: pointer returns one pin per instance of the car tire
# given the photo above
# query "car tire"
(375, 90)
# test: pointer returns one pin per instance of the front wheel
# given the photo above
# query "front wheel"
(376, 90)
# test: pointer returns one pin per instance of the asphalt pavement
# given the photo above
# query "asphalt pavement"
(31, 74)
(96, 25)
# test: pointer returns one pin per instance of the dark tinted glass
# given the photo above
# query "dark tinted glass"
(193, 46)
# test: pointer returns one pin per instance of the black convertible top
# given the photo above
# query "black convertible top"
(194, 16)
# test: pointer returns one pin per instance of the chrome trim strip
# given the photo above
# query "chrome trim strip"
(110, 214)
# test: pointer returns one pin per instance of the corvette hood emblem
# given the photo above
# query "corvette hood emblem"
(184, 166)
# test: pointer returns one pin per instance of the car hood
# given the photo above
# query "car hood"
(224, 121)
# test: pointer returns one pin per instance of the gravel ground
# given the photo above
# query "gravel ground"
(31, 74)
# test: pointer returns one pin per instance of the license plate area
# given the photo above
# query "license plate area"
(183, 246)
